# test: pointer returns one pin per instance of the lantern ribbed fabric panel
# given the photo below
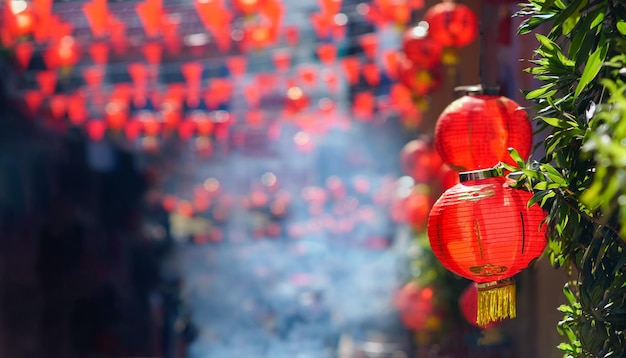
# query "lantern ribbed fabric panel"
(475, 131)
(482, 230)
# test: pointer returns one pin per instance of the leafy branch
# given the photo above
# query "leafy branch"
(581, 109)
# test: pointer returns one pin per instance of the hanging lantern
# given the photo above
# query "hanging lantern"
(295, 101)
(64, 53)
(419, 48)
(482, 230)
(23, 22)
(476, 130)
(452, 24)
(420, 160)
(421, 81)
(417, 206)
(415, 306)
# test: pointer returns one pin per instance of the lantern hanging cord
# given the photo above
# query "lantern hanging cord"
(485, 48)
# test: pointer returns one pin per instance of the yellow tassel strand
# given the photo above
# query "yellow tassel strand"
(496, 301)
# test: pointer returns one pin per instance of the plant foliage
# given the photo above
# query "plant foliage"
(581, 179)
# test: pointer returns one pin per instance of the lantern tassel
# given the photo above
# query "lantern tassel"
(496, 301)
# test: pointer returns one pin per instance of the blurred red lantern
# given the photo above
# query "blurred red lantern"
(419, 80)
(256, 36)
(33, 100)
(421, 49)
(475, 132)
(415, 305)
(96, 129)
(99, 53)
(296, 101)
(150, 13)
(23, 53)
(116, 114)
(247, 7)
(151, 124)
(204, 124)
(420, 160)
(482, 230)
(468, 303)
(169, 203)
(452, 24)
(97, 15)
(185, 208)
(77, 112)
(23, 22)
(66, 52)
(352, 69)
(447, 177)
(396, 12)
(417, 207)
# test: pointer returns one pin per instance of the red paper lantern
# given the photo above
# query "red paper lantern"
(65, 52)
(295, 101)
(482, 229)
(415, 305)
(23, 23)
(421, 81)
(452, 24)
(417, 208)
(420, 160)
(421, 49)
(475, 132)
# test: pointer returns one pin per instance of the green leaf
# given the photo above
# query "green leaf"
(555, 122)
(621, 27)
(593, 66)
(546, 42)
(570, 23)
(516, 157)
(546, 4)
(539, 92)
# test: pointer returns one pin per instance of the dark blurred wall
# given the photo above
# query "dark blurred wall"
(75, 272)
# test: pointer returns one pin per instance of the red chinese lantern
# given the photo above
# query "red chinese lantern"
(296, 101)
(421, 81)
(482, 230)
(452, 24)
(420, 160)
(66, 52)
(415, 305)
(421, 49)
(23, 22)
(417, 208)
(247, 7)
(475, 132)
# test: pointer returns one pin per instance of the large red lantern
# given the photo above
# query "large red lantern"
(482, 229)
(475, 131)
(452, 24)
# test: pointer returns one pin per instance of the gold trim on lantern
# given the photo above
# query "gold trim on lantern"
(496, 301)
(480, 174)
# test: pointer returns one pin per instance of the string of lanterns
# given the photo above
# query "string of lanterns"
(481, 228)
(107, 73)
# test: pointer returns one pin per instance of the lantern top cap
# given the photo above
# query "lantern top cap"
(480, 174)
(477, 89)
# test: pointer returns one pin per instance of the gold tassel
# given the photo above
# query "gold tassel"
(496, 301)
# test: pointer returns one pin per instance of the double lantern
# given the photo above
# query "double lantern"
(481, 228)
